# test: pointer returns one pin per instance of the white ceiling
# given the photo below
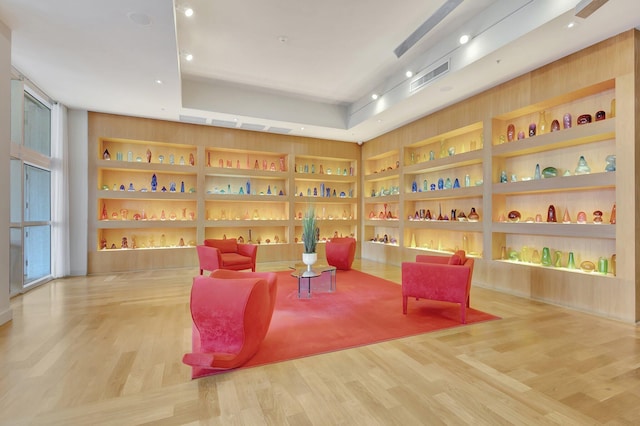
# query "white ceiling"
(288, 66)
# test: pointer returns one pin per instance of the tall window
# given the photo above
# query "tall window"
(37, 125)
(30, 189)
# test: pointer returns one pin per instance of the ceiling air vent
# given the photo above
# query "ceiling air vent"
(250, 126)
(192, 119)
(430, 76)
(223, 123)
(281, 130)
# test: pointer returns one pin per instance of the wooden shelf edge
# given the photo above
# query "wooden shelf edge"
(458, 160)
(559, 183)
(451, 225)
(576, 230)
(554, 268)
(383, 175)
(148, 195)
(441, 194)
(393, 198)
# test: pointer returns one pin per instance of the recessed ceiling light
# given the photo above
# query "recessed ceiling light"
(571, 24)
(188, 12)
(374, 96)
(301, 128)
(464, 39)
(188, 57)
(158, 81)
(409, 74)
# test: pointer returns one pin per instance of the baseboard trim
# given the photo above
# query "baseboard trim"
(6, 316)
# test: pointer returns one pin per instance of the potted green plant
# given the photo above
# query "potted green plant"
(309, 229)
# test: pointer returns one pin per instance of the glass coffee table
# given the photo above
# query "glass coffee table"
(322, 277)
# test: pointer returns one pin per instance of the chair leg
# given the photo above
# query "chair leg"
(200, 271)
(463, 313)
(404, 305)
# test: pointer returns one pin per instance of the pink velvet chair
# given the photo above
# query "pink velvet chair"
(446, 279)
(231, 317)
(270, 277)
(340, 252)
(226, 254)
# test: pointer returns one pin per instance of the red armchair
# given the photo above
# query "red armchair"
(231, 317)
(226, 254)
(440, 278)
(270, 277)
(340, 252)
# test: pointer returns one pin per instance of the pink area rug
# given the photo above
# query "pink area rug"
(364, 310)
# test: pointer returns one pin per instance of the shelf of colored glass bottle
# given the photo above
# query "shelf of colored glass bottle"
(574, 136)
(231, 223)
(148, 195)
(145, 224)
(246, 173)
(575, 270)
(148, 167)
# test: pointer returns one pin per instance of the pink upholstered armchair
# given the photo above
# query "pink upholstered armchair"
(226, 254)
(231, 317)
(270, 277)
(440, 278)
(340, 252)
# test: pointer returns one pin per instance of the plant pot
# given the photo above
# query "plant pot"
(309, 259)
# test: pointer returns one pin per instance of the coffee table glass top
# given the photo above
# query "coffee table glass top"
(322, 275)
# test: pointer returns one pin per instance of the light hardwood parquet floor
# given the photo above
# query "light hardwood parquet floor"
(107, 350)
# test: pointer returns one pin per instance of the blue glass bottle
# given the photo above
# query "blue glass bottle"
(248, 187)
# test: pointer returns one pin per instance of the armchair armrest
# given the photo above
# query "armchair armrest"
(249, 250)
(209, 258)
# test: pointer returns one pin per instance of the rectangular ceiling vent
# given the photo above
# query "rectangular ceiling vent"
(192, 119)
(249, 126)
(280, 130)
(223, 123)
(430, 76)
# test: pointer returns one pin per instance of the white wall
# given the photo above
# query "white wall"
(78, 128)
(5, 138)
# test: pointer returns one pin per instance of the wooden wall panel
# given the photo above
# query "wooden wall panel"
(613, 62)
